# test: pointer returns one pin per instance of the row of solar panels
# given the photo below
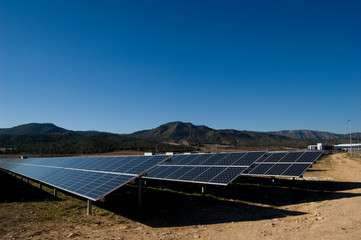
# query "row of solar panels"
(95, 177)
(223, 168)
(89, 177)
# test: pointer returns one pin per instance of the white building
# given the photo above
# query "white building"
(346, 146)
(319, 147)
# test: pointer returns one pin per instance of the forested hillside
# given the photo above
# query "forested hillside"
(69, 144)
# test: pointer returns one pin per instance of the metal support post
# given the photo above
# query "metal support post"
(235, 189)
(89, 207)
(40, 185)
(203, 191)
(140, 192)
(55, 192)
(27, 180)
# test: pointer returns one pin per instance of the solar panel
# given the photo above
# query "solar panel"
(296, 170)
(89, 177)
(277, 169)
(291, 157)
(309, 157)
(228, 175)
(210, 173)
(230, 159)
(273, 157)
(259, 169)
(223, 168)
(178, 172)
(215, 159)
(283, 164)
(248, 158)
(212, 168)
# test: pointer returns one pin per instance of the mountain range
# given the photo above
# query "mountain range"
(188, 133)
(180, 131)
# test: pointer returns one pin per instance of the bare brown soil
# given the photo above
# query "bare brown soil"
(325, 205)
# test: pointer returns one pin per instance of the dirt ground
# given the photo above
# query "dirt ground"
(326, 204)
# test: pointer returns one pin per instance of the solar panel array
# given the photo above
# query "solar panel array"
(215, 168)
(89, 177)
(223, 168)
(95, 177)
(283, 164)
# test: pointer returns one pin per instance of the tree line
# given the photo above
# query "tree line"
(70, 144)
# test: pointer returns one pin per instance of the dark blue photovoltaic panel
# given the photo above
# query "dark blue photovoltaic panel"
(230, 159)
(249, 158)
(101, 187)
(296, 170)
(180, 172)
(209, 174)
(291, 157)
(55, 162)
(163, 174)
(277, 169)
(309, 157)
(84, 163)
(200, 159)
(155, 172)
(273, 157)
(184, 160)
(192, 174)
(90, 177)
(141, 166)
(123, 168)
(205, 168)
(176, 159)
(99, 164)
(215, 158)
(260, 169)
(228, 175)
(286, 164)
(30, 170)
(69, 179)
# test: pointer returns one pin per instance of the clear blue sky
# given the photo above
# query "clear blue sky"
(123, 66)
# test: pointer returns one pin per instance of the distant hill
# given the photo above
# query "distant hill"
(47, 138)
(197, 135)
(33, 128)
(42, 128)
(307, 134)
(310, 134)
